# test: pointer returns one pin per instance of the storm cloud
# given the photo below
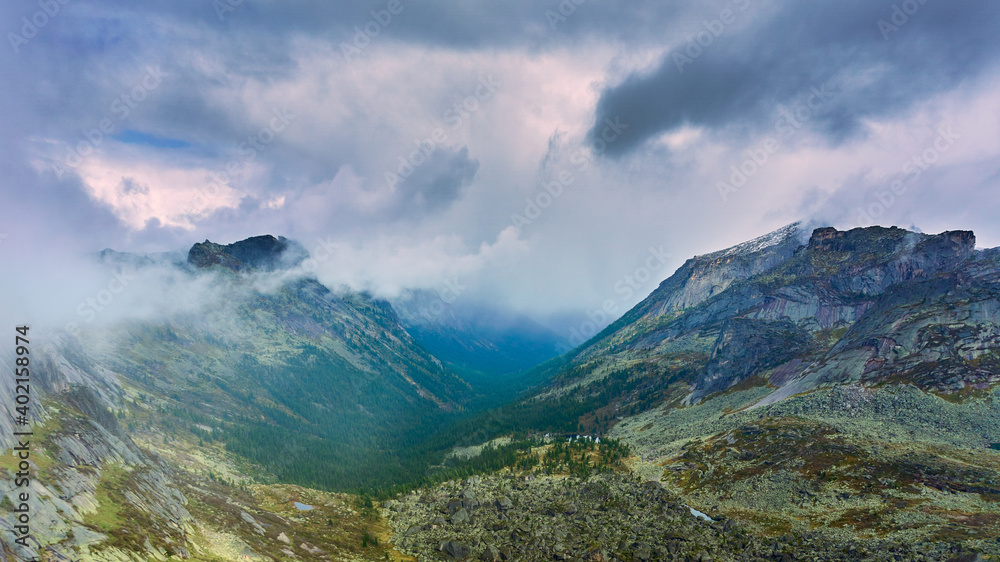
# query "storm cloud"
(750, 66)
(532, 152)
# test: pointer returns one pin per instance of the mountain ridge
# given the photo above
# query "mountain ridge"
(768, 393)
(841, 385)
(264, 253)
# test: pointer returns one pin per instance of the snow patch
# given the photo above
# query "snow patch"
(699, 514)
(762, 242)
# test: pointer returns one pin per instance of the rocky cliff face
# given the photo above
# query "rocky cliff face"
(88, 472)
(848, 379)
(703, 277)
(260, 253)
(777, 301)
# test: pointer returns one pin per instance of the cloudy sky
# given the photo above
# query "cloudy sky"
(531, 154)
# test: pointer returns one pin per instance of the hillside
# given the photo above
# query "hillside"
(846, 382)
(827, 394)
(145, 424)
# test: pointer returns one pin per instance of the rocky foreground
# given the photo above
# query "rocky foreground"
(604, 518)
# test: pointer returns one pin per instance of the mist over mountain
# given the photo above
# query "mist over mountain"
(810, 374)
(490, 346)
(258, 253)
(239, 333)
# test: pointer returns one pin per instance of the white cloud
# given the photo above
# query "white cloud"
(139, 192)
(323, 177)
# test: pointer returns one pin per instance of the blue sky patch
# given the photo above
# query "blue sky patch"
(137, 137)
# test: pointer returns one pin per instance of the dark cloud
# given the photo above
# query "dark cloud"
(564, 68)
(449, 23)
(436, 183)
(774, 56)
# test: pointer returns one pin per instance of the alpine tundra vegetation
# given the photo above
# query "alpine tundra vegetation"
(823, 395)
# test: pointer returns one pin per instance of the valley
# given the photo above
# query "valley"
(817, 394)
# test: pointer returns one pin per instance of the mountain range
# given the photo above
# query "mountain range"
(836, 379)
(816, 389)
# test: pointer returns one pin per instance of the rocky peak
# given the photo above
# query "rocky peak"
(960, 242)
(868, 239)
(825, 238)
(207, 254)
(265, 253)
(704, 276)
(893, 241)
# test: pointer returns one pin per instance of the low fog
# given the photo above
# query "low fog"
(561, 167)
